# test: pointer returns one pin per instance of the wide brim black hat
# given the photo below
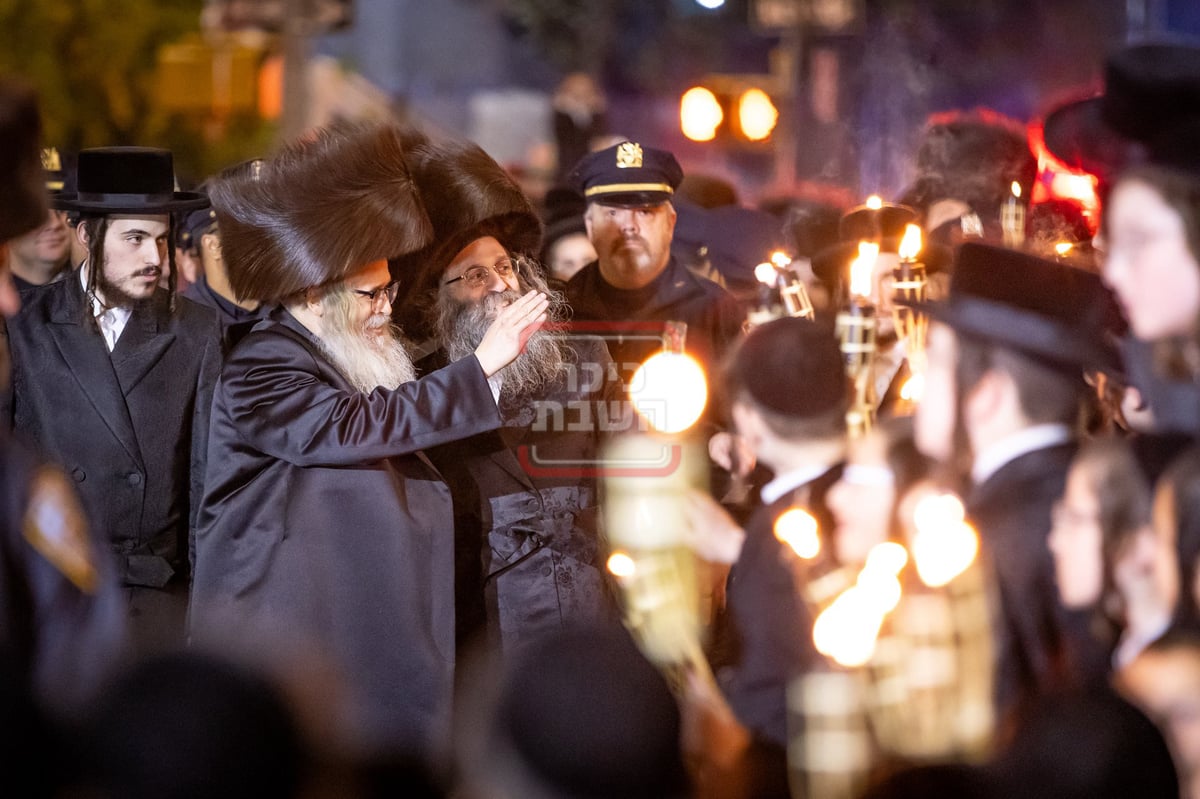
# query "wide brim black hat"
(864, 223)
(1055, 313)
(1149, 89)
(563, 216)
(832, 265)
(126, 180)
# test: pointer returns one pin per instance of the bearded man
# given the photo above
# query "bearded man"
(529, 543)
(324, 526)
(112, 377)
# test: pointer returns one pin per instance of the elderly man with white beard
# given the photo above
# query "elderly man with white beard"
(525, 494)
(324, 526)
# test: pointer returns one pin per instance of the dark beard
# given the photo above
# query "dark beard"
(461, 327)
(116, 297)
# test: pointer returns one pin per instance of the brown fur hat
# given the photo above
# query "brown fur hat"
(974, 157)
(23, 201)
(467, 196)
(318, 211)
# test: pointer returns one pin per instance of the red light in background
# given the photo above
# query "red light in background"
(1057, 181)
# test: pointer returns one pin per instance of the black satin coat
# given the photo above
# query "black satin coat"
(130, 429)
(324, 525)
(528, 499)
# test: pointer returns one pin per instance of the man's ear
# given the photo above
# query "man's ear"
(312, 299)
(81, 233)
(211, 243)
(988, 396)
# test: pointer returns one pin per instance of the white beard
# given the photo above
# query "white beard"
(370, 357)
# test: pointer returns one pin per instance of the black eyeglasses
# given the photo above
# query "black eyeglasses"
(390, 291)
(478, 276)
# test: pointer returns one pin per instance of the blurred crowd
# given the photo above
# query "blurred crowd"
(360, 469)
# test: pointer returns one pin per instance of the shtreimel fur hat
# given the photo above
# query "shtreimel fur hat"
(319, 211)
(467, 195)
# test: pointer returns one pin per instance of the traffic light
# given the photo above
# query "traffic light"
(739, 107)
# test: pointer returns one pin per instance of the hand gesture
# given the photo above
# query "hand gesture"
(512, 327)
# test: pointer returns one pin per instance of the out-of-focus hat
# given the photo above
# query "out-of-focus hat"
(563, 216)
(126, 180)
(1150, 89)
(627, 174)
(792, 367)
(1055, 313)
(319, 211)
(23, 201)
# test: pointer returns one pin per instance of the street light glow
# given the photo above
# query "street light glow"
(710, 4)
(700, 114)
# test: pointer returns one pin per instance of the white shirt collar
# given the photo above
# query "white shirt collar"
(111, 321)
(1008, 449)
(791, 480)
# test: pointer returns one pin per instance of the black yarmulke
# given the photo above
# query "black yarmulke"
(791, 366)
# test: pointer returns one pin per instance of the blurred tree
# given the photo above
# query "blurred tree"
(93, 63)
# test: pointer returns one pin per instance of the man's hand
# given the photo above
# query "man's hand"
(513, 326)
(732, 453)
(711, 532)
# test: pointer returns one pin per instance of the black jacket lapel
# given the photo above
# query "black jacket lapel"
(141, 344)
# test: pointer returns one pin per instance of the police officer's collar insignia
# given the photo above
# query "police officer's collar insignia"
(629, 154)
(54, 525)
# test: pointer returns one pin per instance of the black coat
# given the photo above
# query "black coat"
(713, 316)
(770, 626)
(130, 429)
(324, 525)
(529, 502)
(1042, 645)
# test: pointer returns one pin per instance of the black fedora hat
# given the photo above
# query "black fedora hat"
(1149, 89)
(1056, 313)
(126, 180)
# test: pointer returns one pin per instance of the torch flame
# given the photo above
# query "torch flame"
(862, 268)
(888, 557)
(669, 391)
(944, 545)
(1063, 247)
(780, 259)
(847, 629)
(910, 244)
(1016, 189)
(765, 273)
(621, 565)
(913, 388)
(798, 529)
(874, 202)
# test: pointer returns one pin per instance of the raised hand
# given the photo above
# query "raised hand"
(513, 326)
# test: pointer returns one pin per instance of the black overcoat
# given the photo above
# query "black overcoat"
(324, 524)
(130, 429)
(527, 495)
(1043, 646)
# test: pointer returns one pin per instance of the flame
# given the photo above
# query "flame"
(765, 273)
(621, 565)
(874, 202)
(780, 259)
(669, 391)
(1063, 247)
(847, 629)
(1016, 189)
(913, 388)
(910, 244)
(944, 545)
(798, 529)
(862, 268)
(888, 557)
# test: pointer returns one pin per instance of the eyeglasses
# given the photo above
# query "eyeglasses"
(478, 276)
(390, 291)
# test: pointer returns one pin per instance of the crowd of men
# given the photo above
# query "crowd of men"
(303, 470)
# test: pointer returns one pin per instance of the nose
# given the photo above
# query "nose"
(496, 283)
(627, 220)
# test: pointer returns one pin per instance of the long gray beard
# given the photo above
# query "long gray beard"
(371, 357)
(461, 328)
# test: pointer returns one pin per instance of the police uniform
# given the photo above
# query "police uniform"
(632, 320)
